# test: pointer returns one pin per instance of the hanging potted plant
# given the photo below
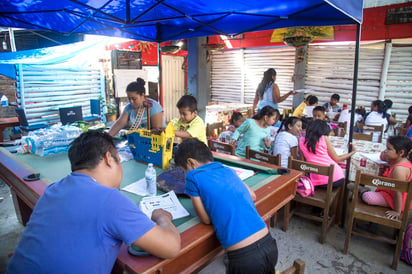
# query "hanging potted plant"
(301, 36)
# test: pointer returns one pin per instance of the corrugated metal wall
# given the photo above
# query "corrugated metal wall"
(329, 70)
(173, 82)
(42, 89)
(236, 74)
(399, 80)
(226, 76)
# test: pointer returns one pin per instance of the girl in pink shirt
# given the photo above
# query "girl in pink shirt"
(398, 153)
(317, 148)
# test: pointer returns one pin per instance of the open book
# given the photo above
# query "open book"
(241, 172)
(167, 201)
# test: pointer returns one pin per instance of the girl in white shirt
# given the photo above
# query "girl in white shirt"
(286, 142)
(376, 117)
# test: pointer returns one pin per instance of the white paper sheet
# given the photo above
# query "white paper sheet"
(376, 157)
(139, 187)
(168, 202)
(242, 173)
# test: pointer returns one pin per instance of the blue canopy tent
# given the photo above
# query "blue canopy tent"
(165, 20)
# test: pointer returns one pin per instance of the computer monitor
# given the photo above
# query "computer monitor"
(70, 115)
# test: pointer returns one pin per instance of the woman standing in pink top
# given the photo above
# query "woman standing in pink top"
(317, 148)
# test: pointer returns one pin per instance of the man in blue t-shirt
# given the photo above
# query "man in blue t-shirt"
(221, 198)
(80, 222)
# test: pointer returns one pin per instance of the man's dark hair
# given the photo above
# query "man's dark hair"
(87, 150)
(187, 101)
(192, 148)
(388, 103)
(312, 100)
(335, 96)
(319, 108)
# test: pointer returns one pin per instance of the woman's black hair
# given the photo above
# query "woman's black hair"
(314, 131)
(236, 115)
(292, 120)
(137, 86)
(381, 107)
(267, 110)
(400, 143)
(267, 80)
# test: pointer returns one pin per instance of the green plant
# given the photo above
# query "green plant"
(303, 31)
(111, 106)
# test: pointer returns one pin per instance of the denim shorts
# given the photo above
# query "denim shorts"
(259, 257)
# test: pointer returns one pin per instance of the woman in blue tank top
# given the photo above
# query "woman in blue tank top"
(268, 93)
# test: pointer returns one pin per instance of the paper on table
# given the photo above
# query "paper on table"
(138, 187)
(168, 202)
(307, 90)
(341, 150)
(376, 157)
(242, 173)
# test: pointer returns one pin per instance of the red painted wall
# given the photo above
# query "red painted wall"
(373, 28)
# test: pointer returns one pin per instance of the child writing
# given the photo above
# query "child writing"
(399, 154)
(317, 148)
(286, 142)
(235, 121)
(311, 104)
(220, 198)
(256, 131)
(190, 125)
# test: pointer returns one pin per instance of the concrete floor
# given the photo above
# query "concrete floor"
(300, 241)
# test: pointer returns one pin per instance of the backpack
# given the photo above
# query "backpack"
(305, 187)
(406, 252)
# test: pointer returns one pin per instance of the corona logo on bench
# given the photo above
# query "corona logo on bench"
(378, 182)
(153, 148)
(308, 168)
(261, 157)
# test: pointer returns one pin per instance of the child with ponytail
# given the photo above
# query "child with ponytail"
(399, 154)
(286, 142)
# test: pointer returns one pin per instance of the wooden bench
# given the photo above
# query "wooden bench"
(7, 122)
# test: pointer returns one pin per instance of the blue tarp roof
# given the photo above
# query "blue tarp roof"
(165, 20)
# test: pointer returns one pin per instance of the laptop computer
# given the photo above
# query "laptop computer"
(70, 115)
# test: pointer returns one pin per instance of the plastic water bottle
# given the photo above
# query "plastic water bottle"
(346, 139)
(150, 177)
(4, 101)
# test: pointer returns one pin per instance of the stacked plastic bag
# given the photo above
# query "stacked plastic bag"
(52, 140)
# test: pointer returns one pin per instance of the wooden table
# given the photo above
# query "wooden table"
(199, 243)
(7, 122)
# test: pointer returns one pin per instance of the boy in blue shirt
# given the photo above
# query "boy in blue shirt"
(221, 198)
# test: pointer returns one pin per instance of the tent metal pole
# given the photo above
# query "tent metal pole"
(12, 41)
(352, 118)
(159, 67)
